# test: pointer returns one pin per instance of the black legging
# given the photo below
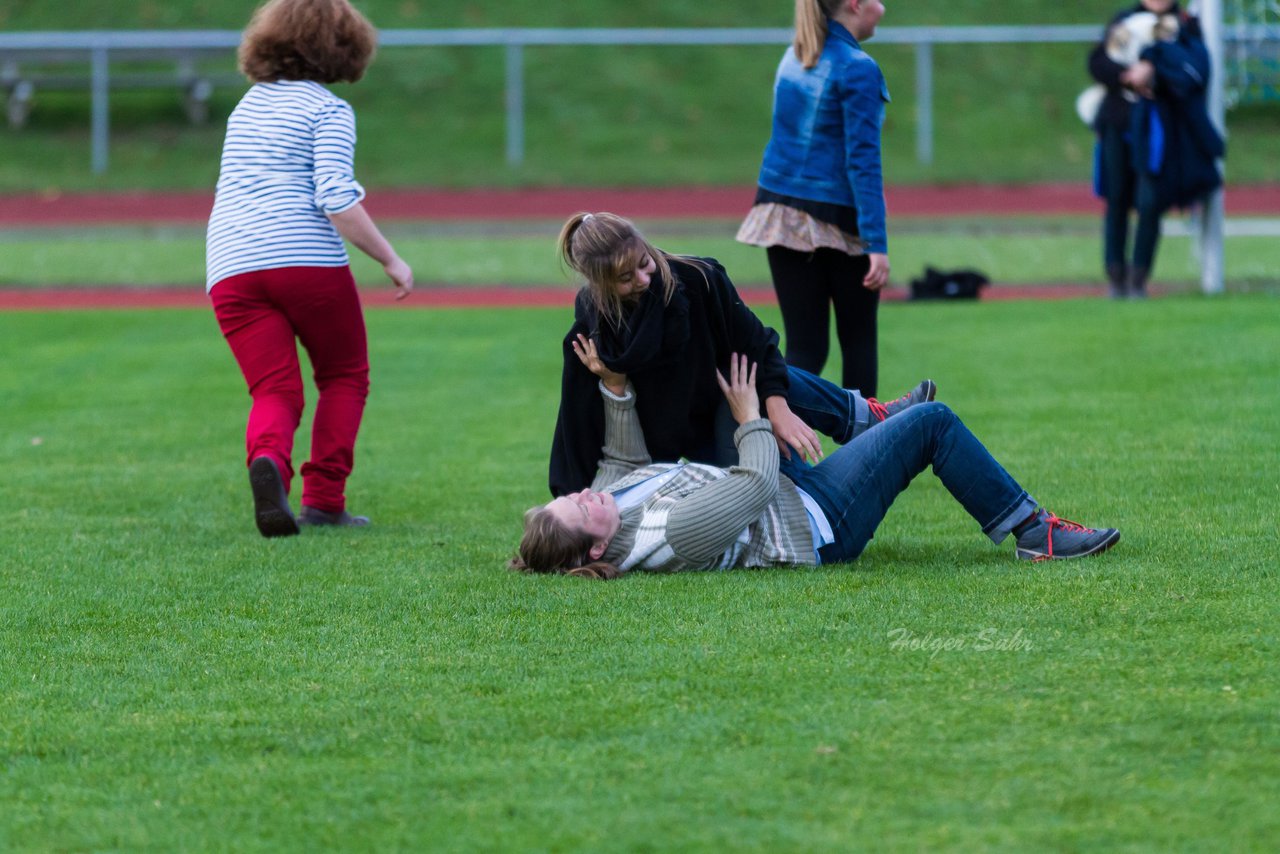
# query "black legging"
(807, 284)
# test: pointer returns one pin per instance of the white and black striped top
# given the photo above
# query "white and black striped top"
(287, 162)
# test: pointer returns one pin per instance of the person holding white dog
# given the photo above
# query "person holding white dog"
(1157, 148)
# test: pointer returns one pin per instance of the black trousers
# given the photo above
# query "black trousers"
(808, 285)
(1127, 190)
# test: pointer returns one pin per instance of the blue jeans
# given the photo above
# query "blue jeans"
(856, 484)
(840, 413)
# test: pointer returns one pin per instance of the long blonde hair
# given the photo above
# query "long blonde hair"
(811, 28)
(604, 247)
(549, 547)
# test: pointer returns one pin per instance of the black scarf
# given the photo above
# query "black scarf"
(652, 335)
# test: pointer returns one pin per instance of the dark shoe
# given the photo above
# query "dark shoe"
(270, 501)
(343, 519)
(922, 393)
(1051, 538)
(1138, 283)
(1118, 278)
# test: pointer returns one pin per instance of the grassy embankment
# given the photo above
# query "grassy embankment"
(604, 116)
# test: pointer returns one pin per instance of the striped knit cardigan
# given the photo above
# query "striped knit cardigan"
(705, 517)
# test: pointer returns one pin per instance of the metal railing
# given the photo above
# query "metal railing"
(98, 47)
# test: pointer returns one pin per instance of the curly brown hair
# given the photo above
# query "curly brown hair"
(327, 41)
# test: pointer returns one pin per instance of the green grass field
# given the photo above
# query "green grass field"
(605, 116)
(174, 682)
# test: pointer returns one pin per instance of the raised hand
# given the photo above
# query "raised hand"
(740, 389)
(585, 349)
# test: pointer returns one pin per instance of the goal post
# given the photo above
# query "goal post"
(1212, 217)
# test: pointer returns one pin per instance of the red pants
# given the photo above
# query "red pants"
(260, 313)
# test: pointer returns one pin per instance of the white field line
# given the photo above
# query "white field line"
(1189, 227)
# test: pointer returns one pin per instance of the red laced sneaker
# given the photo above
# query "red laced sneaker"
(922, 393)
(1054, 538)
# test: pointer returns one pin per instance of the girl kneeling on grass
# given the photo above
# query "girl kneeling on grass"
(669, 322)
(769, 512)
(278, 269)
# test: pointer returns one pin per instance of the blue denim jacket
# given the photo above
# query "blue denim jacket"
(825, 145)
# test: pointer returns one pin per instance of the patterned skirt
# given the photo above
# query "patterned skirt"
(772, 224)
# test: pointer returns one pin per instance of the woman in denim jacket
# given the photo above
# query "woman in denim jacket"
(819, 209)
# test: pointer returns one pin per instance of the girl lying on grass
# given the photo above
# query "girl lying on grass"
(669, 322)
(765, 511)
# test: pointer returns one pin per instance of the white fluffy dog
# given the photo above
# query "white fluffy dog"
(1125, 42)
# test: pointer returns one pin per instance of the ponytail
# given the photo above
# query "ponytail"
(811, 28)
(596, 571)
(564, 243)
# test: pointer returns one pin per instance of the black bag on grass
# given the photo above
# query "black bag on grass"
(948, 284)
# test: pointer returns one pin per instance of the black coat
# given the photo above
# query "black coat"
(670, 353)
(1115, 109)
(1175, 142)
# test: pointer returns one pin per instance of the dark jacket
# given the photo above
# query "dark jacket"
(1175, 141)
(670, 353)
(1115, 109)
(1172, 140)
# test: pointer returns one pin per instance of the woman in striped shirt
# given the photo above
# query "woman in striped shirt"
(277, 267)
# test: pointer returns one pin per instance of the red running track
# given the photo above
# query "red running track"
(430, 296)
(558, 203)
